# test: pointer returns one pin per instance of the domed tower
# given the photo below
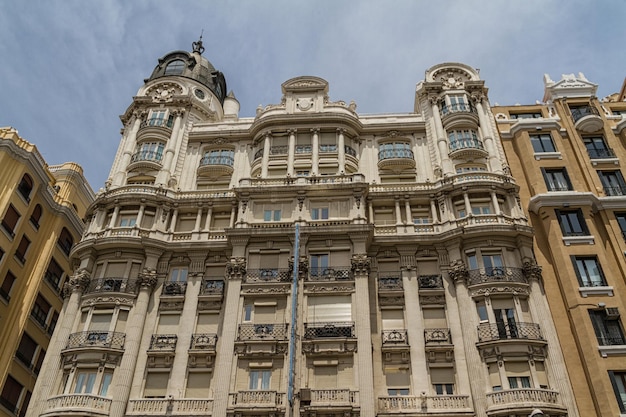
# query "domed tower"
(183, 89)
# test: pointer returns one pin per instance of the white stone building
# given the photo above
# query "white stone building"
(416, 294)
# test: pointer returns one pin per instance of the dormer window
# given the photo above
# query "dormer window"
(175, 67)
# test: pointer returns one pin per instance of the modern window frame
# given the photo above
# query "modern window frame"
(572, 222)
(556, 179)
(588, 271)
(543, 143)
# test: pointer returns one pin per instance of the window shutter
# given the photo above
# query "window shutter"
(393, 319)
(329, 309)
(442, 375)
(207, 323)
(168, 323)
(100, 322)
(156, 384)
(198, 385)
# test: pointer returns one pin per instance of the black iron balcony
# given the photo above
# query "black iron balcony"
(430, 282)
(391, 337)
(112, 340)
(467, 143)
(350, 151)
(151, 156)
(217, 160)
(174, 288)
(488, 332)
(203, 341)
(258, 154)
(212, 287)
(582, 111)
(615, 191)
(437, 336)
(614, 339)
(268, 275)
(167, 123)
(270, 331)
(304, 149)
(279, 150)
(386, 283)
(395, 154)
(606, 153)
(322, 330)
(328, 148)
(447, 109)
(163, 342)
(496, 274)
(110, 284)
(330, 274)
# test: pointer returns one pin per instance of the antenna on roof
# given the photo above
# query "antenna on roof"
(197, 46)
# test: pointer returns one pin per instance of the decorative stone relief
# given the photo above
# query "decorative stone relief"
(164, 92)
(304, 104)
(79, 282)
(458, 271)
(303, 266)
(236, 268)
(360, 264)
(147, 279)
(117, 300)
(531, 269)
(495, 290)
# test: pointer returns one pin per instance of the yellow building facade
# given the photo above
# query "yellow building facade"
(567, 154)
(41, 209)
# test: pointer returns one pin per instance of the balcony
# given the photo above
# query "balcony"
(212, 287)
(392, 284)
(273, 331)
(467, 148)
(606, 153)
(523, 401)
(163, 342)
(216, 166)
(202, 350)
(98, 340)
(81, 404)
(615, 191)
(174, 288)
(211, 294)
(396, 159)
(324, 330)
(203, 341)
(110, 284)
(587, 119)
(268, 275)
(279, 150)
(146, 160)
(437, 337)
(446, 404)
(175, 407)
(430, 282)
(312, 400)
(492, 275)
(255, 400)
(330, 274)
(394, 338)
(330, 148)
(488, 332)
(456, 114)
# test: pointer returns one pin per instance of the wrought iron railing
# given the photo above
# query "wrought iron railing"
(268, 275)
(601, 153)
(110, 284)
(212, 287)
(203, 341)
(165, 342)
(262, 331)
(258, 154)
(496, 274)
(176, 407)
(582, 111)
(328, 148)
(155, 121)
(438, 336)
(387, 283)
(279, 150)
(330, 274)
(508, 330)
(304, 148)
(391, 337)
(217, 160)
(615, 339)
(457, 108)
(427, 282)
(174, 288)
(615, 191)
(147, 156)
(350, 151)
(467, 143)
(113, 340)
(395, 153)
(329, 330)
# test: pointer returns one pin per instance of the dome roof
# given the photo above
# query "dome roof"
(191, 65)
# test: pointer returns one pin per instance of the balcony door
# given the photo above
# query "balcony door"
(505, 323)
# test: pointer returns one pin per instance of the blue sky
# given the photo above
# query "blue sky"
(70, 68)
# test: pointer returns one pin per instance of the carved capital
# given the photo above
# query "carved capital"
(360, 264)
(147, 279)
(303, 266)
(236, 268)
(531, 269)
(78, 282)
(458, 271)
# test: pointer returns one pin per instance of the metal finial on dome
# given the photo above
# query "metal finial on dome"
(197, 46)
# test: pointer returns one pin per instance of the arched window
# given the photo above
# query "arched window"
(25, 187)
(36, 216)
(175, 67)
(66, 241)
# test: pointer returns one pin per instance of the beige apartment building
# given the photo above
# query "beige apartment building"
(41, 211)
(566, 155)
(309, 261)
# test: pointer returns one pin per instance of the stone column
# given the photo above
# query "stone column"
(52, 363)
(467, 318)
(266, 155)
(468, 206)
(196, 227)
(487, 135)
(341, 151)
(129, 149)
(361, 269)
(142, 209)
(370, 210)
(315, 151)
(555, 363)
(116, 213)
(123, 376)
(235, 271)
(163, 176)
(398, 212)
(172, 227)
(209, 214)
(433, 210)
(407, 211)
(494, 201)
(233, 214)
(442, 140)
(291, 152)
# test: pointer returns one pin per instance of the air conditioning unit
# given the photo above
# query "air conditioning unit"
(305, 395)
(612, 313)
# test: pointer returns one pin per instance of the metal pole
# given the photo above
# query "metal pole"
(294, 311)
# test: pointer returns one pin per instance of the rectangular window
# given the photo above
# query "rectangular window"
(588, 271)
(9, 221)
(398, 381)
(597, 148)
(478, 209)
(178, 275)
(271, 215)
(25, 352)
(556, 179)
(40, 310)
(442, 380)
(572, 222)
(621, 221)
(319, 264)
(40, 358)
(530, 115)
(198, 385)
(331, 308)
(54, 273)
(319, 213)
(156, 384)
(612, 182)
(128, 221)
(618, 380)
(542, 143)
(260, 379)
(493, 264)
(85, 381)
(22, 248)
(7, 284)
(519, 382)
(608, 328)
(11, 393)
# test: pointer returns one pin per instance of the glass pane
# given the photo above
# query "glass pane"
(106, 381)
